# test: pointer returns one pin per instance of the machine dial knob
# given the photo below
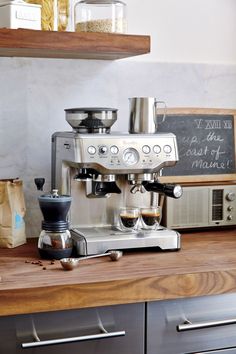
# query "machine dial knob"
(230, 196)
(230, 208)
(114, 149)
(91, 150)
(103, 150)
(229, 217)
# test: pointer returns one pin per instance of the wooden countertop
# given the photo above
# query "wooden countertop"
(205, 265)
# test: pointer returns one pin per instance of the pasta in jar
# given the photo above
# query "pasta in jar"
(63, 14)
(54, 16)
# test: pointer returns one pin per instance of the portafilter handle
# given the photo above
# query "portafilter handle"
(170, 190)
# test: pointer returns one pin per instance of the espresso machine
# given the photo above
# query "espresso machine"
(103, 171)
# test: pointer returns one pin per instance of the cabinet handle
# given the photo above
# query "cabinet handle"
(42, 343)
(189, 326)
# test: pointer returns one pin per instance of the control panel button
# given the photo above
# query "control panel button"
(167, 149)
(157, 149)
(103, 150)
(91, 150)
(146, 149)
(230, 208)
(114, 149)
(229, 217)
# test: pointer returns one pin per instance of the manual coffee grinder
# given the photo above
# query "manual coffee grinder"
(55, 240)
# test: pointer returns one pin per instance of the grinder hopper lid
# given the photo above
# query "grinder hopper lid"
(91, 119)
(54, 209)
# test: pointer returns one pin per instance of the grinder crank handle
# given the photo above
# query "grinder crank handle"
(170, 190)
(39, 183)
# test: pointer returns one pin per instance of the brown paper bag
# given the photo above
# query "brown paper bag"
(12, 212)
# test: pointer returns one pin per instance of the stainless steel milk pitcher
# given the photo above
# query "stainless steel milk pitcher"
(143, 115)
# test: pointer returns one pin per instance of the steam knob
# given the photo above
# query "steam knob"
(103, 150)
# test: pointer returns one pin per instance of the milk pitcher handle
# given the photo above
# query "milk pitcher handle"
(164, 107)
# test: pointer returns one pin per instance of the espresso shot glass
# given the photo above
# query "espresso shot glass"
(150, 217)
(129, 218)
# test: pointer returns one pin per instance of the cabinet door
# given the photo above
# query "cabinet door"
(220, 351)
(104, 330)
(192, 326)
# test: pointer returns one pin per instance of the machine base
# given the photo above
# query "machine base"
(97, 240)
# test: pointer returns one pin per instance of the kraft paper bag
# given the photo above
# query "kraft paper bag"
(12, 212)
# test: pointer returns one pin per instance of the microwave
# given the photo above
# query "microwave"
(201, 206)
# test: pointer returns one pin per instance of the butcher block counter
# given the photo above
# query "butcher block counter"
(205, 265)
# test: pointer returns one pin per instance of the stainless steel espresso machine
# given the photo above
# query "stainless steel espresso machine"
(104, 171)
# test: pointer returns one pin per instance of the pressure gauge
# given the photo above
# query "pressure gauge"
(130, 156)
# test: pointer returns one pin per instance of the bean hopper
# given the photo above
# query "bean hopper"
(103, 171)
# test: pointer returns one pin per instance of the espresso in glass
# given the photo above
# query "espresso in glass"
(151, 217)
(128, 218)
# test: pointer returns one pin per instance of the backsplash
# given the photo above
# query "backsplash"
(35, 92)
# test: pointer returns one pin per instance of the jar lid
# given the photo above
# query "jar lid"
(54, 197)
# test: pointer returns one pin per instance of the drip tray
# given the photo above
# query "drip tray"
(97, 240)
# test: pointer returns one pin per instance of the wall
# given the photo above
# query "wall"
(35, 92)
(186, 30)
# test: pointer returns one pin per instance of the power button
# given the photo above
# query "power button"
(167, 149)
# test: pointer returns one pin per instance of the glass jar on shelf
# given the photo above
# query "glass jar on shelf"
(55, 14)
(64, 15)
(100, 16)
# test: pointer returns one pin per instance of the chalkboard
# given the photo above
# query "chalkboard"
(206, 144)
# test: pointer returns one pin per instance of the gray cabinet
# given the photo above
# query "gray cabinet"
(104, 330)
(198, 325)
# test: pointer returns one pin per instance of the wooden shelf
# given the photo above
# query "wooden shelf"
(71, 45)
